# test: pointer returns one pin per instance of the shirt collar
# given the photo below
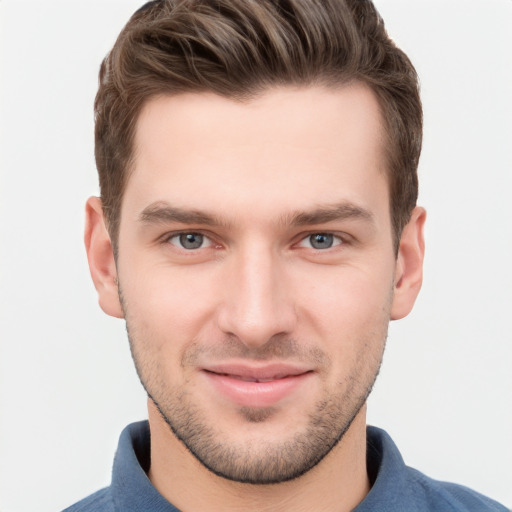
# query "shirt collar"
(132, 490)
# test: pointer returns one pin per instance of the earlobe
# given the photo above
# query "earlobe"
(101, 259)
(409, 265)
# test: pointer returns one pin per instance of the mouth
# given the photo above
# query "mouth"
(257, 386)
(261, 373)
(252, 379)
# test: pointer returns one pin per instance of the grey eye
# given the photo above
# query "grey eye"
(321, 240)
(191, 240)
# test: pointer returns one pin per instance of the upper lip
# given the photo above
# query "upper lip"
(271, 371)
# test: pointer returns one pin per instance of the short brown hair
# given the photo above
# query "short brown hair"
(238, 49)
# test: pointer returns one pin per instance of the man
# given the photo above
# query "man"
(257, 229)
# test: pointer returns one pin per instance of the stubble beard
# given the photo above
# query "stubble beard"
(269, 462)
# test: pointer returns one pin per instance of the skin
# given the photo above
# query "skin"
(267, 176)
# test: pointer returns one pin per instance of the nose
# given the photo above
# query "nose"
(257, 303)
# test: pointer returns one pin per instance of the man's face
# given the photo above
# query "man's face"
(256, 271)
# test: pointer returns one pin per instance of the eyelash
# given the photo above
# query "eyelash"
(167, 239)
(337, 240)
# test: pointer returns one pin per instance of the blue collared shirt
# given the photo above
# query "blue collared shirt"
(395, 486)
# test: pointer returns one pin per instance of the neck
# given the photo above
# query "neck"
(340, 478)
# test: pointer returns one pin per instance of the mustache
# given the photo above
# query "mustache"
(277, 348)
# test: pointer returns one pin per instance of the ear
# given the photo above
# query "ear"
(409, 265)
(100, 255)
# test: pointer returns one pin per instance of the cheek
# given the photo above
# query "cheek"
(350, 322)
(347, 302)
(166, 304)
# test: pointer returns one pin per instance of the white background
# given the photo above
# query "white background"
(67, 383)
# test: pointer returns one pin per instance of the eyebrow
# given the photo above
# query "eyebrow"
(162, 212)
(329, 213)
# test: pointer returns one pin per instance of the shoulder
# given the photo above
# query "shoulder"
(100, 501)
(449, 496)
(397, 487)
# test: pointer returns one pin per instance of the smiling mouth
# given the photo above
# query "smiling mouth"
(258, 387)
(244, 378)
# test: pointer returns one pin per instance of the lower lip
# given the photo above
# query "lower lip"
(257, 394)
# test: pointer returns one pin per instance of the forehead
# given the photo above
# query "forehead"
(285, 149)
